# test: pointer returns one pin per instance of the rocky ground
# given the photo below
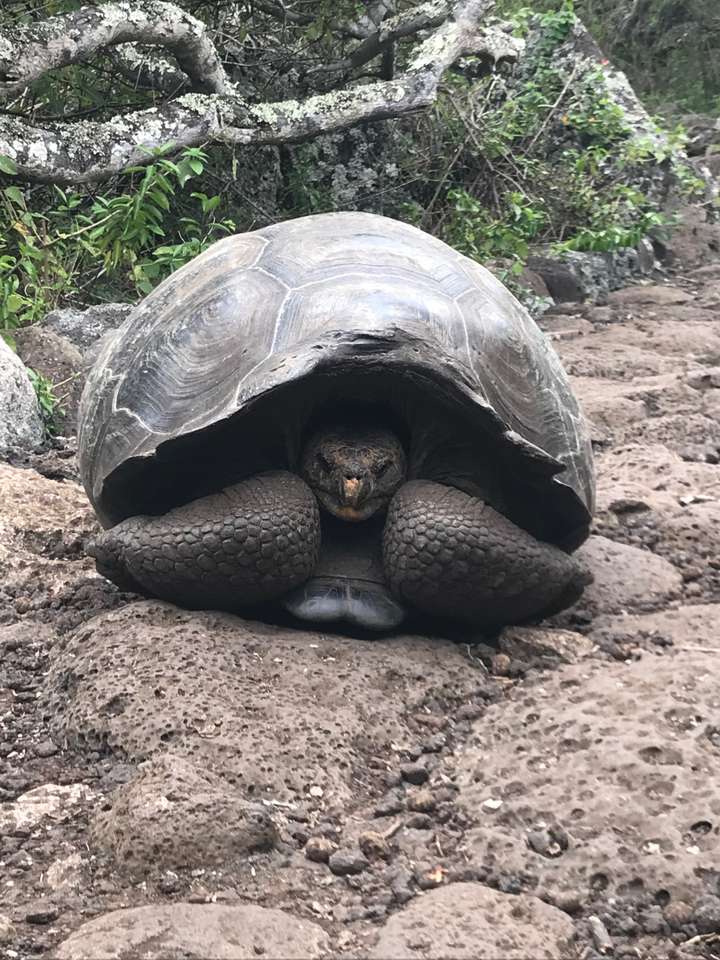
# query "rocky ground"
(192, 785)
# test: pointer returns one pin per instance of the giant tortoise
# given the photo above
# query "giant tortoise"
(342, 416)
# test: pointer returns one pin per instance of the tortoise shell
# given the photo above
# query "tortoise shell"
(222, 355)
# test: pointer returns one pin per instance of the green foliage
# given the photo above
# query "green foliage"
(554, 162)
(472, 230)
(67, 242)
(47, 401)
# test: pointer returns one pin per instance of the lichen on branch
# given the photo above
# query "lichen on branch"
(84, 151)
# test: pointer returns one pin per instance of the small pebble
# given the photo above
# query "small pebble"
(320, 849)
(434, 744)
(46, 748)
(548, 843)
(200, 895)
(389, 805)
(419, 821)
(421, 801)
(429, 879)
(400, 886)
(299, 834)
(469, 711)
(169, 883)
(374, 845)
(628, 926)
(678, 913)
(500, 664)
(601, 938)
(568, 901)
(652, 920)
(415, 773)
(348, 861)
(41, 912)
(706, 915)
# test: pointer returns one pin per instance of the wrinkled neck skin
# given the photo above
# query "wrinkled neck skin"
(353, 465)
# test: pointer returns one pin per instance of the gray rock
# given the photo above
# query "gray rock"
(576, 276)
(464, 921)
(652, 295)
(706, 915)
(195, 932)
(50, 801)
(694, 239)
(617, 754)
(174, 816)
(201, 701)
(347, 862)
(84, 327)
(21, 426)
(319, 849)
(41, 912)
(626, 577)
(528, 643)
(416, 773)
(707, 378)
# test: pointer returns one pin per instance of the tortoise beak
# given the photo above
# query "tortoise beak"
(353, 490)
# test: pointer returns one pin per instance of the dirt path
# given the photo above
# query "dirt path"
(555, 794)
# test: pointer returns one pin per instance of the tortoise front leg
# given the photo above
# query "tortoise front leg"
(450, 554)
(248, 543)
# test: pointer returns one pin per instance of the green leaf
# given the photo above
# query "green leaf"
(8, 165)
(14, 303)
(15, 194)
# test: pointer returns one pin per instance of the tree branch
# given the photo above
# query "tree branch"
(425, 16)
(357, 29)
(29, 52)
(82, 152)
(146, 69)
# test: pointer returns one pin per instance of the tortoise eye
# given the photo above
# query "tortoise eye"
(383, 467)
(323, 462)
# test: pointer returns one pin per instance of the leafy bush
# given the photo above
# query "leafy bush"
(548, 157)
(68, 242)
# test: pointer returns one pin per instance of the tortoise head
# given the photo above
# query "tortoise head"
(353, 467)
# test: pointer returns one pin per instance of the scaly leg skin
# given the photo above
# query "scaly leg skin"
(449, 554)
(248, 543)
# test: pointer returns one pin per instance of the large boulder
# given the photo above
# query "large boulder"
(575, 276)
(601, 781)
(194, 932)
(174, 815)
(84, 327)
(21, 426)
(464, 921)
(228, 713)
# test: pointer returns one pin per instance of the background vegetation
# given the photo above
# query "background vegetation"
(488, 173)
